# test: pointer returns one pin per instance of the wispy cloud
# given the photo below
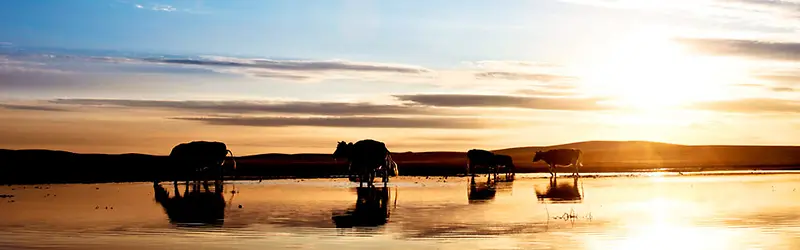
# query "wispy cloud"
(31, 107)
(505, 101)
(783, 89)
(302, 70)
(755, 15)
(751, 105)
(522, 76)
(158, 7)
(245, 107)
(746, 48)
(349, 122)
(163, 7)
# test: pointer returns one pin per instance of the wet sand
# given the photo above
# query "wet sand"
(722, 210)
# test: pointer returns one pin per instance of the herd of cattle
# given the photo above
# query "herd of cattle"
(369, 159)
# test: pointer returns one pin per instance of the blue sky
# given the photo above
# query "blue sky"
(431, 75)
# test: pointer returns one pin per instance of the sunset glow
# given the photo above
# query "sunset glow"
(487, 75)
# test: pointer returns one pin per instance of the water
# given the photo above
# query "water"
(725, 210)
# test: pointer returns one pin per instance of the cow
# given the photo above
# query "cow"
(560, 157)
(367, 158)
(201, 158)
(481, 158)
(505, 164)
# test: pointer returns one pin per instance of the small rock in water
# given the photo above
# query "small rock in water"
(97, 207)
(240, 205)
(97, 188)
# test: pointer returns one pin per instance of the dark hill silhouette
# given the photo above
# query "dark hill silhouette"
(644, 154)
(50, 166)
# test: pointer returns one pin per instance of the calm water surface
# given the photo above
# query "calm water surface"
(720, 211)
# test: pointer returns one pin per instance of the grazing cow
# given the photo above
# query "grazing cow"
(201, 158)
(505, 164)
(481, 158)
(560, 157)
(367, 158)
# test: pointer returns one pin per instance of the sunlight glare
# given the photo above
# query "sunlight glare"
(649, 71)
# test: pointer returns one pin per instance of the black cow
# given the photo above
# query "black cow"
(201, 159)
(481, 158)
(367, 158)
(505, 164)
(560, 157)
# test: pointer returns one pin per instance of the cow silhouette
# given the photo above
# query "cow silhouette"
(201, 160)
(367, 159)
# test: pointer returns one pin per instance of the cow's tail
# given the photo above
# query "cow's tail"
(233, 158)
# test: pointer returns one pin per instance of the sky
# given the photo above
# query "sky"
(119, 76)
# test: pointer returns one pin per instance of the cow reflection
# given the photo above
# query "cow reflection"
(199, 205)
(371, 209)
(563, 192)
(480, 192)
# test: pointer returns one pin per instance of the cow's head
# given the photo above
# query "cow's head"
(538, 156)
(342, 150)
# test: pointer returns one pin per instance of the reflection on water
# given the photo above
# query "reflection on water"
(567, 191)
(198, 206)
(371, 209)
(647, 212)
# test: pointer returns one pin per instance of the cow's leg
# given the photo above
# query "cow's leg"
(551, 168)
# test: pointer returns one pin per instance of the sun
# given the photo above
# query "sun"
(649, 71)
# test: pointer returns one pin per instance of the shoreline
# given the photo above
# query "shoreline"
(527, 175)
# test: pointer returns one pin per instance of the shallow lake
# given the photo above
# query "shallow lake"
(723, 210)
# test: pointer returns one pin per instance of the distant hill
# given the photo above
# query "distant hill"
(644, 154)
(49, 166)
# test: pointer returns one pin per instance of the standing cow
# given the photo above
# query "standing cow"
(367, 159)
(560, 158)
(505, 164)
(484, 159)
(201, 159)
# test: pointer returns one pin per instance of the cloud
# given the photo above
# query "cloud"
(294, 70)
(296, 65)
(782, 78)
(504, 101)
(243, 107)
(751, 105)
(522, 76)
(757, 15)
(163, 7)
(782, 89)
(747, 48)
(138, 6)
(301, 70)
(350, 122)
(31, 107)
